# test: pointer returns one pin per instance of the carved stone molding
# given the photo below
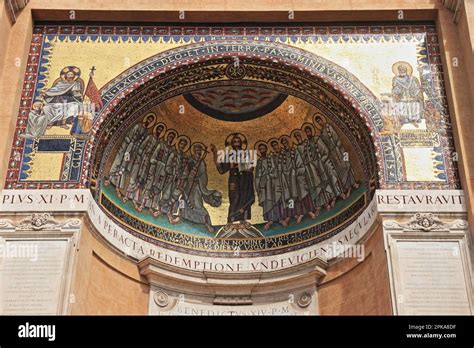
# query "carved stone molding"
(39, 222)
(426, 222)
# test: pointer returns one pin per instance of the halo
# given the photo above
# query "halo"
(74, 69)
(258, 143)
(399, 63)
(204, 147)
(307, 124)
(174, 132)
(240, 135)
(269, 142)
(292, 135)
(164, 129)
(152, 122)
(188, 142)
(38, 101)
(284, 137)
(318, 114)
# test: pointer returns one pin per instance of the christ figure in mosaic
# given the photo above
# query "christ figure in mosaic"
(240, 182)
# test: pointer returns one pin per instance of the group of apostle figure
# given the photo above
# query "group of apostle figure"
(154, 171)
(294, 176)
(299, 175)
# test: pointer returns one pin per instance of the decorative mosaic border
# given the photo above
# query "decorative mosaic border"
(283, 30)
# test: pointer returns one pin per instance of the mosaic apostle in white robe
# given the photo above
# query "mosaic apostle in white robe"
(135, 191)
(294, 172)
(139, 170)
(339, 157)
(281, 183)
(268, 187)
(328, 188)
(125, 154)
(176, 173)
(407, 94)
(195, 191)
(161, 154)
(148, 191)
(311, 177)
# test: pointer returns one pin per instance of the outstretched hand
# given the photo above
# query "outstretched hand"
(214, 149)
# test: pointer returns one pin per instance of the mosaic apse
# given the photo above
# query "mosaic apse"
(379, 88)
(282, 179)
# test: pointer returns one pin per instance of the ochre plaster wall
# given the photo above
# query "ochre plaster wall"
(456, 45)
(358, 288)
(106, 282)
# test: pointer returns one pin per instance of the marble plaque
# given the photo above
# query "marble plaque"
(431, 279)
(31, 280)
